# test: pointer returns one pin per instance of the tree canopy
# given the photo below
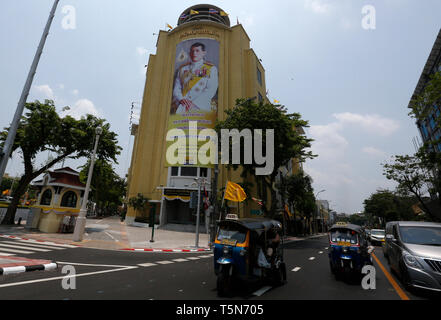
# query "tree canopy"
(42, 129)
(289, 143)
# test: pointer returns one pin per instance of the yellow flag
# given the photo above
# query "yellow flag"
(169, 26)
(194, 12)
(223, 14)
(234, 192)
(276, 101)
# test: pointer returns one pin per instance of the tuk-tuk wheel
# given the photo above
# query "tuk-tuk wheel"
(224, 283)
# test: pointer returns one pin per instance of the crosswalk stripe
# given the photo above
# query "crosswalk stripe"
(48, 243)
(6, 254)
(193, 258)
(22, 247)
(34, 245)
(17, 251)
(180, 260)
(206, 256)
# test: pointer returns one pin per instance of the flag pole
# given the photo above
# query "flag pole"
(223, 199)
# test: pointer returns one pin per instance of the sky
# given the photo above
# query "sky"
(349, 67)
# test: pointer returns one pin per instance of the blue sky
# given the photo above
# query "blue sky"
(353, 85)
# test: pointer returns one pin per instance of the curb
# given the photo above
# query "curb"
(169, 250)
(19, 269)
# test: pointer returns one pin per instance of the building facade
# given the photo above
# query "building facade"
(199, 70)
(428, 128)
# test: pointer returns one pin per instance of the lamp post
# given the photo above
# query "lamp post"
(80, 224)
(199, 182)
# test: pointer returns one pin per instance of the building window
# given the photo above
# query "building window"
(203, 172)
(424, 132)
(69, 200)
(189, 171)
(46, 198)
(259, 76)
(174, 171)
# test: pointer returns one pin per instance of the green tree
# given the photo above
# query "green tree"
(107, 188)
(140, 204)
(389, 206)
(42, 129)
(289, 143)
(300, 195)
(412, 177)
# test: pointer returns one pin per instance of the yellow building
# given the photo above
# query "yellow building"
(180, 88)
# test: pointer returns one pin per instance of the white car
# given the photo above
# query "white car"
(377, 236)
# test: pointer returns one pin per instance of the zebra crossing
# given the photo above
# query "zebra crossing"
(162, 262)
(13, 246)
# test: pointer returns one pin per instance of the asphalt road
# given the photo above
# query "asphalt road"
(105, 274)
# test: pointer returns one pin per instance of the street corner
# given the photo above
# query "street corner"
(12, 265)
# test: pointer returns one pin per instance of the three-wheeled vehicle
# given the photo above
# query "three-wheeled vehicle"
(348, 249)
(248, 250)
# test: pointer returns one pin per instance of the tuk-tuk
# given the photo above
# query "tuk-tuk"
(348, 249)
(248, 250)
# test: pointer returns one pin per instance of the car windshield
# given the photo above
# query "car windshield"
(378, 232)
(430, 236)
(231, 233)
(344, 236)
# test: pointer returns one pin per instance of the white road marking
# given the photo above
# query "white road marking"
(148, 264)
(49, 243)
(206, 256)
(311, 258)
(22, 247)
(35, 245)
(320, 252)
(261, 291)
(64, 277)
(296, 269)
(94, 265)
(164, 262)
(17, 251)
(193, 258)
(6, 254)
(113, 238)
(180, 260)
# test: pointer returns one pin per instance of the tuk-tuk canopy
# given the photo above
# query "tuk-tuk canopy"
(348, 226)
(257, 225)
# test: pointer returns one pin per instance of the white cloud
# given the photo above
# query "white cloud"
(328, 142)
(46, 90)
(75, 92)
(81, 108)
(141, 51)
(318, 6)
(371, 123)
(374, 152)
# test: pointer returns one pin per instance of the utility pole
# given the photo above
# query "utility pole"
(6, 152)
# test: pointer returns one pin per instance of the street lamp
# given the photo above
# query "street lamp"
(80, 224)
(199, 182)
